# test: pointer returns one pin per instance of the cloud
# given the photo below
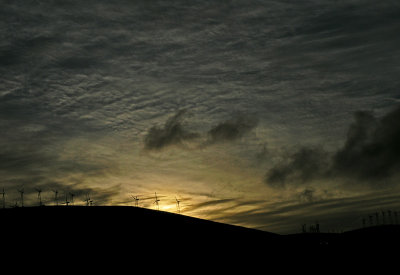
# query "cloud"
(371, 154)
(172, 133)
(372, 148)
(300, 167)
(232, 129)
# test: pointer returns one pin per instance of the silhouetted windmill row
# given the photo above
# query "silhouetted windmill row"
(388, 217)
(88, 201)
(314, 228)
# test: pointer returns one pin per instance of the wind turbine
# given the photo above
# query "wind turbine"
(56, 196)
(156, 201)
(4, 198)
(72, 197)
(177, 205)
(21, 191)
(39, 195)
(66, 199)
(87, 200)
(136, 199)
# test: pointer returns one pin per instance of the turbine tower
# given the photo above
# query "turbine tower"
(87, 200)
(390, 216)
(56, 197)
(72, 197)
(21, 191)
(39, 195)
(66, 199)
(156, 201)
(136, 199)
(178, 208)
(4, 198)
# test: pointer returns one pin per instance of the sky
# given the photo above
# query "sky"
(265, 114)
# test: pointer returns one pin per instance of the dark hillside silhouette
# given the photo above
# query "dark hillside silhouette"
(114, 231)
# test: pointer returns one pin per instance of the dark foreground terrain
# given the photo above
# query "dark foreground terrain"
(138, 231)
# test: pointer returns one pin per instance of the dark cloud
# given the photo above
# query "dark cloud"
(300, 167)
(232, 129)
(372, 148)
(172, 133)
(371, 154)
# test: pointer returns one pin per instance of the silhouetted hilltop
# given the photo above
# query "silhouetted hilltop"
(114, 228)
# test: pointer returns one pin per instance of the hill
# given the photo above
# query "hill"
(112, 226)
(131, 231)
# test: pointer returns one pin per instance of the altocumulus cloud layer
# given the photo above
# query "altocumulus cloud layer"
(90, 94)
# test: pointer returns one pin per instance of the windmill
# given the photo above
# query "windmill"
(4, 198)
(383, 217)
(136, 199)
(56, 197)
(377, 218)
(66, 199)
(39, 195)
(72, 197)
(21, 191)
(395, 216)
(178, 208)
(371, 222)
(156, 201)
(390, 216)
(87, 200)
